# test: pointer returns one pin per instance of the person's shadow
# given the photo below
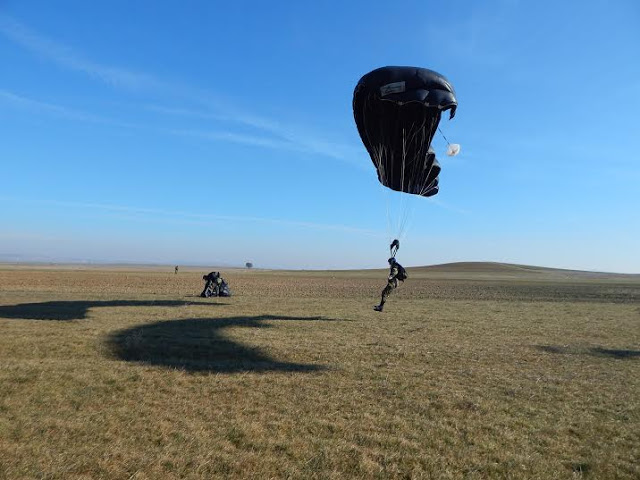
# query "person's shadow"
(197, 345)
(78, 309)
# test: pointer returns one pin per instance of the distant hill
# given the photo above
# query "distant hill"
(510, 270)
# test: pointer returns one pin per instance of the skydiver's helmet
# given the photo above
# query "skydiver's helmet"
(392, 260)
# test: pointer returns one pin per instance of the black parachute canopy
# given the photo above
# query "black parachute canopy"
(397, 111)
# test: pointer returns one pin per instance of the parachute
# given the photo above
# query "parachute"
(397, 111)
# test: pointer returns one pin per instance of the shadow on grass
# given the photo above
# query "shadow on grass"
(593, 351)
(78, 309)
(197, 345)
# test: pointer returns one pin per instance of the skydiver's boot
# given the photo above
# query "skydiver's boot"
(378, 308)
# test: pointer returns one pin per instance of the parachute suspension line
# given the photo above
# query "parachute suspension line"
(434, 123)
(399, 208)
(402, 170)
(425, 181)
(381, 161)
(419, 135)
(407, 209)
(405, 212)
(379, 153)
(387, 202)
(391, 196)
(445, 138)
(402, 217)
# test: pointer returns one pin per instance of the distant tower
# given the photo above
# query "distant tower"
(176, 270)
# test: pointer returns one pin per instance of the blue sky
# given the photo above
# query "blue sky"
(222, 132)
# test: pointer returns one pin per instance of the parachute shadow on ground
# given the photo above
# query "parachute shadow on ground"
(592, 351)
(197, 345)
(78, 309)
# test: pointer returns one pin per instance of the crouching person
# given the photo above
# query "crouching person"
(212, 285)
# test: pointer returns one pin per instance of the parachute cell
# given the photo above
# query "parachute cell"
(397, 111)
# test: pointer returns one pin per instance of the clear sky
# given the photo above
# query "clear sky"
(216, 132)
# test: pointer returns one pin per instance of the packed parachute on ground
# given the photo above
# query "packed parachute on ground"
(215, 286)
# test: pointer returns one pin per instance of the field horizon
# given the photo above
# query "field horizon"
(465, 267)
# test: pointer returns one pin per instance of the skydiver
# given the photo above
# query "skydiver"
(396, 273)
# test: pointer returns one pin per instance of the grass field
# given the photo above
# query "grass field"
(472, 371)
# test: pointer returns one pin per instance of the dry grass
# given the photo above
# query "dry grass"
(128, 374)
